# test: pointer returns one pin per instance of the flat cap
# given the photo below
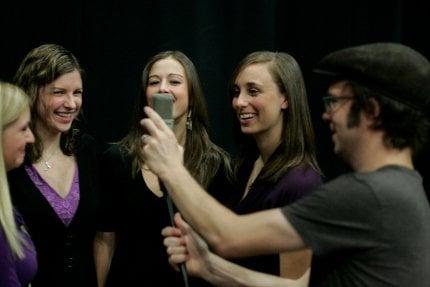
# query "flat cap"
(396, 70)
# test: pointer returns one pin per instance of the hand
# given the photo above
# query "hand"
(161, 151)
(184, 245)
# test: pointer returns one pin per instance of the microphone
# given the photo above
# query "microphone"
(163, 105)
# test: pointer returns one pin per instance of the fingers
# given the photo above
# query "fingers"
(150, 127)
(155, 118)
(171, 231)
(177, 259)
(175, 248)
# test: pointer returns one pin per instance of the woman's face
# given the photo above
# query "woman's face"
(258, 102)
(168, 76)
(59, 103)
(15, 137)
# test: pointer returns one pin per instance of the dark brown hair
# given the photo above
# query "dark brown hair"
(297, 145)
(201, 156)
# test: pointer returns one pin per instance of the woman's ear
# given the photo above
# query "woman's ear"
(284, 103)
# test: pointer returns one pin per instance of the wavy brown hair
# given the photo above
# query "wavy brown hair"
(42, 66)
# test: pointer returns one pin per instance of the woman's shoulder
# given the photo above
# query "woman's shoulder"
(302, 177)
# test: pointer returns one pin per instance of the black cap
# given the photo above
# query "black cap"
(396, 70)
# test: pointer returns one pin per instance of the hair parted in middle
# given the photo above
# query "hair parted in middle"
(201, 156)
(297, 145)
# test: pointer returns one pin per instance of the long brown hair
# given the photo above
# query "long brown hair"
(297, 145)
(201, 156)
(41, 66)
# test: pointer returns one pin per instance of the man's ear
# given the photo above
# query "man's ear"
(373, 110)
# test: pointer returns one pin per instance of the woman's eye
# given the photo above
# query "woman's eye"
(234, 92)
(253, 92)
(153, 83)
(175, 83)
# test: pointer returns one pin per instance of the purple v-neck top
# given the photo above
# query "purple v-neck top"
(16, 272)
(66, 207)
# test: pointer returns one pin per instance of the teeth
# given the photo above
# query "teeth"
(246, 116)
(64, 114)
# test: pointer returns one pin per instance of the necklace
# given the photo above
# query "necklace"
(46, 162)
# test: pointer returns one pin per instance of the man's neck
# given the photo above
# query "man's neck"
(375, 155)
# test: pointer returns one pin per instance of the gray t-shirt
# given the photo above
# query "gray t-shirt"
(367, 229)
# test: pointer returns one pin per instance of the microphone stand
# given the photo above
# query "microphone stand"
(170, 208)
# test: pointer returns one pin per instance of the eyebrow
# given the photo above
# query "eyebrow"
(252, 84)
(169, 75)
(63, 89)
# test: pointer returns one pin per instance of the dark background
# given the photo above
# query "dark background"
(113, 40)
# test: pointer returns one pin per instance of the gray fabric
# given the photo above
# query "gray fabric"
(367, 229)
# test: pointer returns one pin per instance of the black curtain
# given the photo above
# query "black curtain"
(113, 40)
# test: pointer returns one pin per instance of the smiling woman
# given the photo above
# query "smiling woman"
(56, 189)
(136, 207)
(18, 258)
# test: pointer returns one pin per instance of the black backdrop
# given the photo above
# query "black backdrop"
(113, 39)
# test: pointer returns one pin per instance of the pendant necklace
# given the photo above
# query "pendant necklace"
(48, 165)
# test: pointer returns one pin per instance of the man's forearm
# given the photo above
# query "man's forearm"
(224, 273)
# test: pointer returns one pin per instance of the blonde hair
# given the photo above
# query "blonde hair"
(13, 102)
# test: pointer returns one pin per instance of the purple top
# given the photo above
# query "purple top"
(66, 207)
(17, 272)
(297, 183)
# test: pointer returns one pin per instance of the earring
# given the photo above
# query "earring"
(189, 121)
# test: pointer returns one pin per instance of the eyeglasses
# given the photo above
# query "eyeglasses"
(331, 103)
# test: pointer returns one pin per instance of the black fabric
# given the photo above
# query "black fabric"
(137, 216)
(65, 253)
(397, 70)
(113, 40)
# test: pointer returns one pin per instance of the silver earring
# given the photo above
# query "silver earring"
(189, 121)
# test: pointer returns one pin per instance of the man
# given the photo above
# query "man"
(367, 228)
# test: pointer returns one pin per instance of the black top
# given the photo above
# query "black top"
(65, 253)
(137, 216)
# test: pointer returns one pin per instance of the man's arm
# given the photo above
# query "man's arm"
(226, 273)
(294, 264)
(186, 246)
(229, 234)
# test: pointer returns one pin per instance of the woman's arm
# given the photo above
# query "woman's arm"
(104, 246)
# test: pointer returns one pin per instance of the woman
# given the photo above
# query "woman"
(18, 257)
(277, 163)
(56, 189)
(136, 197)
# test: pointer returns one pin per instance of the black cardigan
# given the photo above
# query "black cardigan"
(65, 254)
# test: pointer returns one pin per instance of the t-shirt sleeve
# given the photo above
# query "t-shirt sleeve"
(337, 216)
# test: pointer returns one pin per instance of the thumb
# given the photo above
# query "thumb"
(182, 224)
